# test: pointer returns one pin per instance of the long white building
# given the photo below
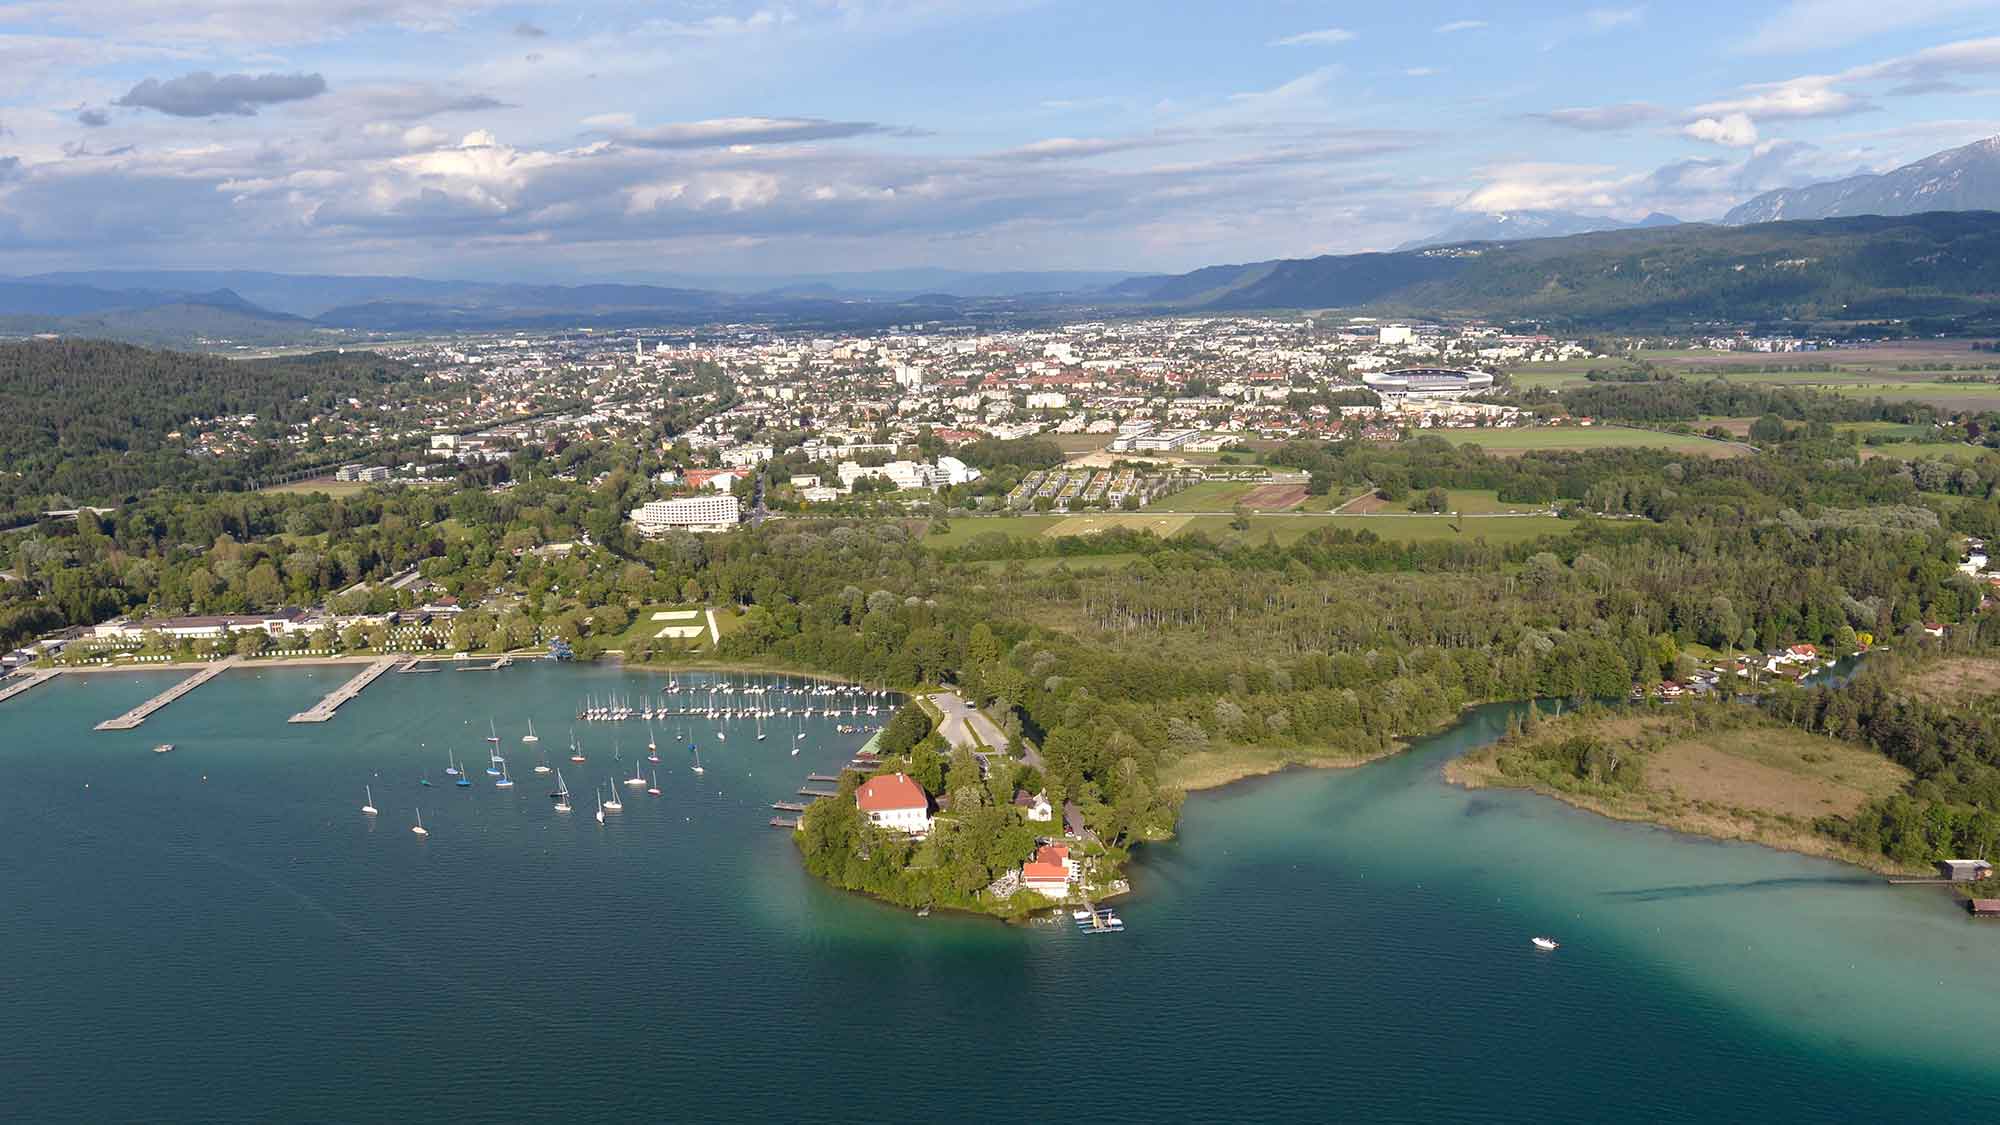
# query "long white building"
(688, 513)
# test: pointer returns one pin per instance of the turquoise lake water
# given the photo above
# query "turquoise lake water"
(219, 934)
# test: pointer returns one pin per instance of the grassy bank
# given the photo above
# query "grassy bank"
(1724, 774)
(1212, 769)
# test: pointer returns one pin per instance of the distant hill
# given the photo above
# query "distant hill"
(1941, 264)
(1959, 179)
(1503, 226)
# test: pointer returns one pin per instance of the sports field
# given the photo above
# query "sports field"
(1523, 439)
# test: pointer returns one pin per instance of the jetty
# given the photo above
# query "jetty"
(788, 806)
(31, 679)
(784, 822)
(822, 777)
(817, 794)
(144, 710)
(323, 710)
(503, 662)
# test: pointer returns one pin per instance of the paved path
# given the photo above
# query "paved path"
(714, 631)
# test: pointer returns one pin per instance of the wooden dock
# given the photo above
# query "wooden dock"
(822, 777)
(784, 822)
(37, 677)
(788, 806)
(817, 794)
(323, 710)
(144, 710)
(503, 662)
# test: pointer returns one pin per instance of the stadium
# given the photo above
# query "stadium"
(1423, 384)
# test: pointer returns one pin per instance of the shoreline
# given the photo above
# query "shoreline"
(1469, 776)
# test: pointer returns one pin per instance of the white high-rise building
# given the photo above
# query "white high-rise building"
(688, 513)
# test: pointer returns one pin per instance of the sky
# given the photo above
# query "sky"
(562, 142)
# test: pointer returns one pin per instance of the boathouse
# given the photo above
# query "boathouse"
(1983, 907)
(1965, 870)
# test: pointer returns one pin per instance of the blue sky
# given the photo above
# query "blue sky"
(557, 142)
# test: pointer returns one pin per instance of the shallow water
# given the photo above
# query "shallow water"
(218, 933)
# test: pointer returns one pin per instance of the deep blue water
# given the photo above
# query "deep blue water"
(218, 934)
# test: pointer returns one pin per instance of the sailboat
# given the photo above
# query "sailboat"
(368, 809)
(463, 782)
(697, 757)
(562, 793)
(600, 805)
(638, 779)
(760, 724)
(543, 765)
(575, 751)
(494, 733)
(425, 781)
(614, 804)
(451, 765)
(505, 782)
(653, 790)
(530, 736)
(420, 829)
(652, 747)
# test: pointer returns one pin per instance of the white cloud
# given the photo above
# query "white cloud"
(1604, 19)
(1808, 96)
(208, 23)
(1323, 38)
(1734, 130)
(1460, 25)
(1603, 118)
(1812, 25)
(1420, 71)
(1966, 56)
(1549, 187)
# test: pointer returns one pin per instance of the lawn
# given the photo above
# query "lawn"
(1926, 451)
(1523, 439)
(1949, 396)
(1466, 501)
(327, 485)
(1208, 496)
(645, 627)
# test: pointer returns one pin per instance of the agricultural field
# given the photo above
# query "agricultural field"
(1466, 501)
(1945, 396)
(1926, 451)
(1526, 438)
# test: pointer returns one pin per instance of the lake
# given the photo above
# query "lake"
(218, 933)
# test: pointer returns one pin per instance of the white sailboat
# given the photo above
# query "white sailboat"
(600, 805)
(368, 809)
(638, 778)
(420, 829)
(505, 782)
(530, 736)
(697, 759)
(653, 790)
(760, 724)
(614, 804)
(562, 793)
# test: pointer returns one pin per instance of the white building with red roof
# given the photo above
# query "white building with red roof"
(1051, 871)
(895, 801)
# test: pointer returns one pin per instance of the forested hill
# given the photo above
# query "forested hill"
(86, 421)
(1942, 264)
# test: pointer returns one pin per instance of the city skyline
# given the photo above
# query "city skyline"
(532, 142)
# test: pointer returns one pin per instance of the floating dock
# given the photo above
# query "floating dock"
(323, 710)
(784, 822)
(816, 794)
(788, 806)
(144, 710)
(32, 679)
(822, 777)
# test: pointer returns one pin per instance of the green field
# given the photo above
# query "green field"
(327, 485)
(1208, 496)
(1526, 438)
(1949, 396)
(643, 626)
(1926, 451)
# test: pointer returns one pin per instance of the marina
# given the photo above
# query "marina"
(323, 710)
(143, 711)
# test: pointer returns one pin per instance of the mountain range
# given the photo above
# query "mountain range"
(1499, 226)
(1960, 179)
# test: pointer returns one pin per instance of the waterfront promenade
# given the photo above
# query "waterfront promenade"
(144, 710)
(323, 710)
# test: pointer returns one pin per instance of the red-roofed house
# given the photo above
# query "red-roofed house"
(721, 480)
(1050, 872)
(895, 801)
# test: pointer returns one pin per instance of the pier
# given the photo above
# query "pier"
(323, 710)
(817, 794)
(784, 822)
(788, 806)
(822, 777)
(144, 710)
(503, 662)
(38, 676)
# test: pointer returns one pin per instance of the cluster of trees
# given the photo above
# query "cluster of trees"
(1950, 745)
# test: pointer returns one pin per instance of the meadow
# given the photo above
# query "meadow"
(1523, 439)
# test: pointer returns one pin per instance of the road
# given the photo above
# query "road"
(960, 715)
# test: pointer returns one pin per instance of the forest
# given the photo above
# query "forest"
(86, 421)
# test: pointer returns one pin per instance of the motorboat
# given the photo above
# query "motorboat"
(1545, 943)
